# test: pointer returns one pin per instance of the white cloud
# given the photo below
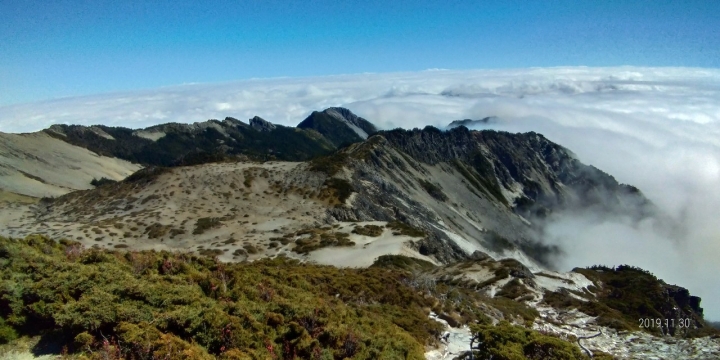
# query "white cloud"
(655, 128)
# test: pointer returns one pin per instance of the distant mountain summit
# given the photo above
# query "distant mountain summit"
(469, 123)
(339, 125)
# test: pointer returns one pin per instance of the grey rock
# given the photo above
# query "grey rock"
(261, 124)
(478, 255)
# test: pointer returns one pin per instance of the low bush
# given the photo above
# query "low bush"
(206, 223)
(319, 238)
(401, 228)
(402, 262)
(102, 181)
(157, 230)
(513, 290)
(341, 187)
(330, 164)
(368, 230)
(511, 342)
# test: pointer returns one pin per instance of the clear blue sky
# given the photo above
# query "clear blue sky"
(63, 48)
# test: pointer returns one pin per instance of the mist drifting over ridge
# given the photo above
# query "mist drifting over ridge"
(654, 128)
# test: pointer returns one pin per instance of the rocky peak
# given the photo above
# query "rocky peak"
(339, 125)
(365, 127)
(261, 124)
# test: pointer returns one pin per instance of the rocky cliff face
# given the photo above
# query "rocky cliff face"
(535, 175)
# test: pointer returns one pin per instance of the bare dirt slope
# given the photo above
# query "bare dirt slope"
(39, 165)
(236, 211)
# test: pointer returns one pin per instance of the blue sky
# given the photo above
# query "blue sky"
(66, 48)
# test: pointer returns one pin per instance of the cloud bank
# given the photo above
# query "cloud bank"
(655, 128)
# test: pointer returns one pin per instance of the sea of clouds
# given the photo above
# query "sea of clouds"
(655, 128)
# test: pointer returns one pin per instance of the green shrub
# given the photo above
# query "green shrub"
(102, 181)
(206, 223)
(329, 165)
(7, 332)
(402, 262)
(513, 290)
(320, 238)
(511, 342)
(368, 230)
(341, 187)
(402, 228)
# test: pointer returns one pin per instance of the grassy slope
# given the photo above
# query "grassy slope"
(170, 303)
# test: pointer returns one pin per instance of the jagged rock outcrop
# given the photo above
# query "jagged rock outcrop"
(261, 124)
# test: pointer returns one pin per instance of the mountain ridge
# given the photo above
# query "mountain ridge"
(459, 210)
(166, 144)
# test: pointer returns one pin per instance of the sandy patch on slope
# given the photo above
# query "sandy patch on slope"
(367, 248)
(39, 165)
